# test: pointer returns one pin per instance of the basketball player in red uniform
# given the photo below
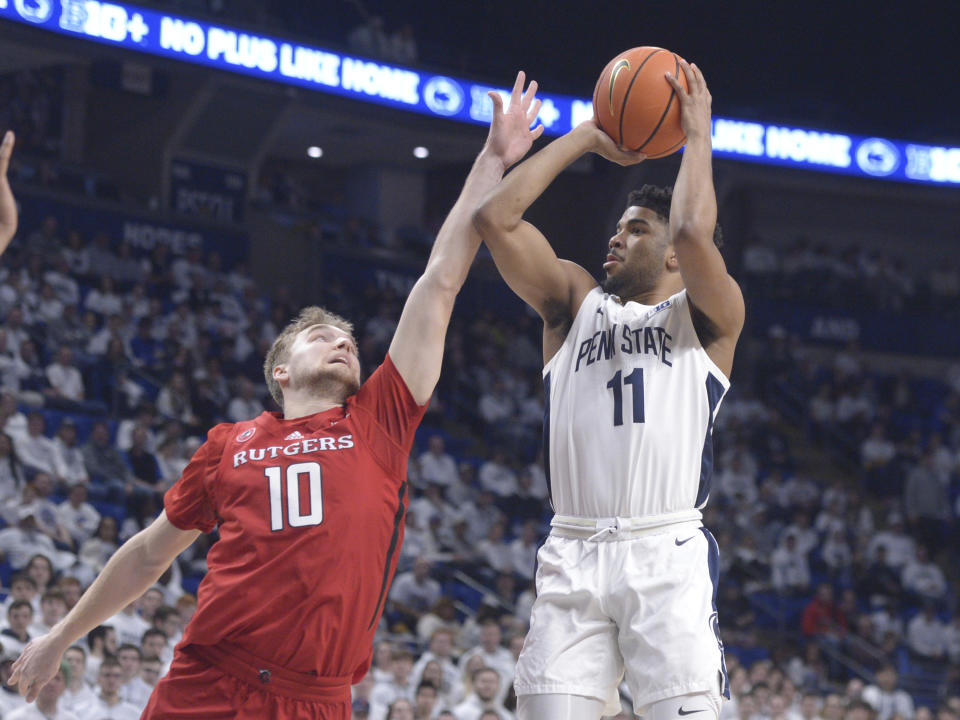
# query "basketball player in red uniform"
(309, 503)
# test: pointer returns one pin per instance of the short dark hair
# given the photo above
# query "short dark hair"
(658, 198)
(150, 633)
(99, 632)
(128, 646)
(17, 604)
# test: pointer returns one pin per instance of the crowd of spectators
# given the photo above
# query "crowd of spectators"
(852, 276)
(113, 364)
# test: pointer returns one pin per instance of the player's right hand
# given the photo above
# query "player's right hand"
(8, 206)
(36, 666)
(604, 146)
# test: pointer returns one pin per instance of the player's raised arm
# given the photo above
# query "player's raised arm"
(8, 206)
(417, 346)
(693, 216)
(522, 254)
(131, 570)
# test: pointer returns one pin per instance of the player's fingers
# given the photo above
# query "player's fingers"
(497, 102)
(688, 71)
(6, 148)
(675, 84)
(518, 86)
(533, 112)
(530, 95)
(537, 132)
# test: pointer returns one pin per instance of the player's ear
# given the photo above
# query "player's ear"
(670, 259)
(280, 374)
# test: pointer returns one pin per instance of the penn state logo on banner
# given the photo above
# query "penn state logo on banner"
(36, 11)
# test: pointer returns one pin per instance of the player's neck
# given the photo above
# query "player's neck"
(297, 406)
(668, 286)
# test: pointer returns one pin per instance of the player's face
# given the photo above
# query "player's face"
(636, 253)
(323, 358)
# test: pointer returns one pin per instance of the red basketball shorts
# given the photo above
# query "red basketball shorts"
(216, 684)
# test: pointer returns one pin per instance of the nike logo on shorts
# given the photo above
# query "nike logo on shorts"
(678, 541)
(681, 711)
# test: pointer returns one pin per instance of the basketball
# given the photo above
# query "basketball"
(635, 105)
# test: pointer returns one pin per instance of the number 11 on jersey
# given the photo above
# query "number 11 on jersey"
(635, 381)
(294, 515)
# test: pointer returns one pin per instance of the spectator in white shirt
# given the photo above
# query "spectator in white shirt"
(16, 635)
(900, 546)
(415, 592)
(134, 691)
(923, 577)
(437, 465)
(494, 551)
(69, 454)
(885, 698)
(492, 652)
(109, 703)
(151, 670)
(103, 300)
(497, 476)
(486, 687)
(496, 405)
(53, 608)
(78, 694)
(18, 544)
(523, 551)
(246, 405)
(440, 649)
(49, 307)
(926, 635)
(11, 472)
(399, 684)
(790, 569)
(36, 451)
(146, 419)
(77, 516)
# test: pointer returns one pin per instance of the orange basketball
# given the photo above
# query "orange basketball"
(636, 106)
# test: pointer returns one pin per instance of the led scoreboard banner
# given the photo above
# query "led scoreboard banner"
(270, 58)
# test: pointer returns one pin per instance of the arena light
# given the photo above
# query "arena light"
(315, 151)
(420, 152)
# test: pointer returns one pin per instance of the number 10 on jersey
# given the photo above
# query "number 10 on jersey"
(295, 517)
(635, 381)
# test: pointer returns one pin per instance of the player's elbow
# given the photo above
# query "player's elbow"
(492, 221)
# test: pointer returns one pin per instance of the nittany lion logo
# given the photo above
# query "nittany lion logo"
(623, 64)
(246, 434)
(37, 11)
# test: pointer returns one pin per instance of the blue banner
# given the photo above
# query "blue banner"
(211, 192)
(271, 58)
(143, 233)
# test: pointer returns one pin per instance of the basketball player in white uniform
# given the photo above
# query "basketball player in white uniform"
(635, 370)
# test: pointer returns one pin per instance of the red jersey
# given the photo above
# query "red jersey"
(310, 513)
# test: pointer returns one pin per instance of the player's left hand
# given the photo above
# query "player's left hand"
(8, 206)
(694, 103)
(36, 666)
(510, 136)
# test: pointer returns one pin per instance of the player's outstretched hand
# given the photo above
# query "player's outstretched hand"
(510, 136)
(36, 666)
(8, 207)
(604, 146)
(695, 103)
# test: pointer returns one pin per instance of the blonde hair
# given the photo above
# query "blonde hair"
(280, 350)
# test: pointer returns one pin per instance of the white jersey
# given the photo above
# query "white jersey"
(631, 398)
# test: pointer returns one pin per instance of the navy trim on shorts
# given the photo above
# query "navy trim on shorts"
(713, 564)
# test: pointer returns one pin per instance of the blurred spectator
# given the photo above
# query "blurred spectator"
(497, 476)
(789, 567)
(77, 516)
(369, 38)
(246, 405)
(486, 686)
(822, 616)
(174, 400)
(926, 635)
(36, 451)
(415, 591)
(886, 698)
(400, 683)
(96, 551)
(65, 380)
(402, 46)
(102, 460)
(436, 464)
(69, 455)
(923, 578)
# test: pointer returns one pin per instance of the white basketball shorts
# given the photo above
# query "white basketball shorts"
(640, 604)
